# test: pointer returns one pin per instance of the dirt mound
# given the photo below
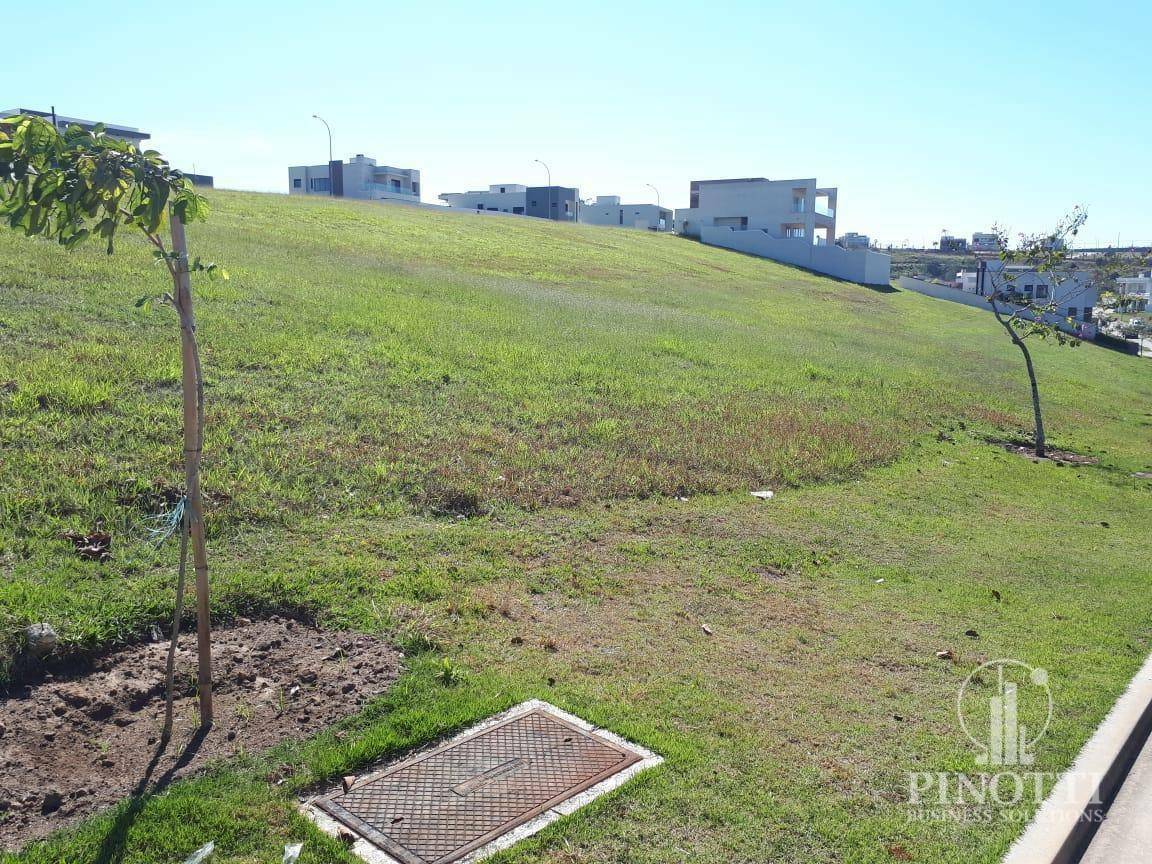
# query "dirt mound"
(73, 745)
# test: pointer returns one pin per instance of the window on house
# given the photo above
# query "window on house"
(533, 204)
(502, 189)
(794, 232)
(1041, 292)
(565, 206)
(296, 183)
(798, 203)
(1028, 291)
(517, 209)
(1088, 313)
(416, 187)
(319, 184)
(1072, 312)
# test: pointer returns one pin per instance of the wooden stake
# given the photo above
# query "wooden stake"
(193, 387)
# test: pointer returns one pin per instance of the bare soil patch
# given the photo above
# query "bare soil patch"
(74, 744)
(1065, 457)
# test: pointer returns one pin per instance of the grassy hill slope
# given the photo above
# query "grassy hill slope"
(374, 372)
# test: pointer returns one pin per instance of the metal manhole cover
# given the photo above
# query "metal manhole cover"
(440, 806)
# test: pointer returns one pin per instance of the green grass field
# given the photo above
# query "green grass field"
(598, 403)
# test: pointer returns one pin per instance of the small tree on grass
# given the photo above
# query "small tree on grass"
(1019, 313)
(75, 185)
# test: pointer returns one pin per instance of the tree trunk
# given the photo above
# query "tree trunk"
(1039, 444)
(193, 390)
(1041, 447)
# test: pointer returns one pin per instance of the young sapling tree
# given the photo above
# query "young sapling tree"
(79, 184)
(1048, 259)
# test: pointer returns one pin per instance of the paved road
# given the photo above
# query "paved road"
(1126, 835)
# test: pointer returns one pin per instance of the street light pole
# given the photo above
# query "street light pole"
(331, 189)
(659, 209)
(549, 170)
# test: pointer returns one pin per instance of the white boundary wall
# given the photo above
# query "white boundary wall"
(856, 265)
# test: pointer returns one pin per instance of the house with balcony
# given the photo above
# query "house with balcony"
(1136, 292)
(791, 221)
(607, 210)
(359, 177)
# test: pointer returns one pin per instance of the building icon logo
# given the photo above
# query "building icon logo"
(1004, 708)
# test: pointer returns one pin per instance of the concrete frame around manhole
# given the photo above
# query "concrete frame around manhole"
(372, 854)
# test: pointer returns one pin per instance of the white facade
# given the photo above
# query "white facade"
(501, 197)
(785, 209)
(359, 177)
(1073, 294)
(607, 210)
(792, 221)
(1137, 291)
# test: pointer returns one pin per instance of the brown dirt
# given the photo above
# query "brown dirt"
(72, 745)
(1066, 457)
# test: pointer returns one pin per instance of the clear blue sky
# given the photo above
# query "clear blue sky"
(926, 116)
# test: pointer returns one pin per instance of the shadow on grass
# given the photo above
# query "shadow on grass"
(112, 846)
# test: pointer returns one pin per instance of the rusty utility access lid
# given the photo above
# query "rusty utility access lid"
(439, 806)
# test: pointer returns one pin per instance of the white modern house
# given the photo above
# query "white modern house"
(791, 221)
(499, 197)
(125, 133)
(359, 177)
(1073, 294)
(559, 203)
(1137, 290)
(607, 210)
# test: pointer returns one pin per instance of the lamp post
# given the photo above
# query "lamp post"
(659, 209)
(331, 190)
(549, 171)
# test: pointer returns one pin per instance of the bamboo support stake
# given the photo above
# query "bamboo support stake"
(193, 444)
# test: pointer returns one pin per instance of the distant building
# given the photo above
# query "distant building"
(204, 180)
(561, 203)
(948, 243)
(1136, 291)
(500, 197)
(1073, 294)
(607, 210)
(125, 133)
(359, 177)
(791, 221)
(984, 241)
(852, 240)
